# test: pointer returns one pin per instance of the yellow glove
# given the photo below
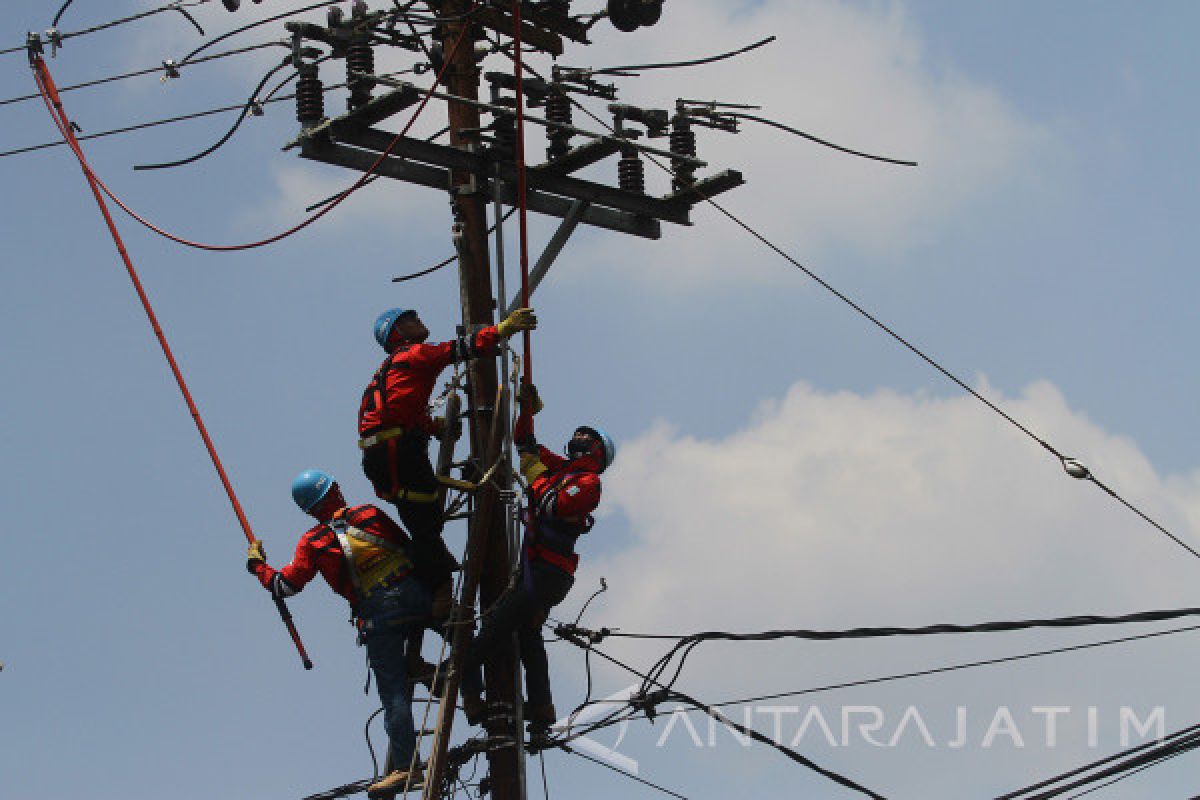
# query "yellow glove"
(255, 554)
(522, 319)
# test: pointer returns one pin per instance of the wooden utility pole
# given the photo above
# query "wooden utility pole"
(477, 166)
(491, 559)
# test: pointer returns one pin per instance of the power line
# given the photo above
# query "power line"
(57, 38)
(820, 141)
(166, 121)
(620, 771)
(934, 670)
(684, 645)
(695, 62)
(1143, 755)
(1070, 465)
(64, 125)
(666, 694)
(159, 70)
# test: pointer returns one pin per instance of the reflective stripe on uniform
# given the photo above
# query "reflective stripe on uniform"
(380, 437)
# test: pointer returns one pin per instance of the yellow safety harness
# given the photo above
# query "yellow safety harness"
(371, 561)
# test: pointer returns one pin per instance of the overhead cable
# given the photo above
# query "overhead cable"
(820, 141)
(1070, 465)
(64, 121)
(918, 673)
(666, 694)
(695, 62)
(162, 69)
(54, 105)
(1143, 755)
(617, 770)
(247, 108)
(685, 644)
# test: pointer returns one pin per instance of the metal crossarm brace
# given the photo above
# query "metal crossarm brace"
(553, 248)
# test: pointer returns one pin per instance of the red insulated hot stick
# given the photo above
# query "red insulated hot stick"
(522, 186)
(50, 95)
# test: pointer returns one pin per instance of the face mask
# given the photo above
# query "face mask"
(578, 448)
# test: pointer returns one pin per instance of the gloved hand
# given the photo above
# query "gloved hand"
(530, 400)
(522, 319)
(255, 555)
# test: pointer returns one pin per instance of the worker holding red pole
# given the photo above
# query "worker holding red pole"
(366, 558)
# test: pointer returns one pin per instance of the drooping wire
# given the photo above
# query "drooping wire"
(1069, 464)
(370, 745)
(241, 117)
(667, 694)
(796, 132)
(447, 262)
(358, 184)
(251, 26)
(58, 17)
(58, 114)
(177, 5)
(695, 62)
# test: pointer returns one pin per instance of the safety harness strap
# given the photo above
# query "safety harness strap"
(345, 532)
(379, 437)
(540, 552)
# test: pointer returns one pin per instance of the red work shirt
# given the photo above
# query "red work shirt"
(398, 395)
(320, 551)
(574, 483)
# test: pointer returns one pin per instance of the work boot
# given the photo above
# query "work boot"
(395, 782)
(540, 716)
(474, 708)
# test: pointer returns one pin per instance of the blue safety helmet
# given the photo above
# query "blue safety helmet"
(610, 447)
(387, 321)
(310, 488)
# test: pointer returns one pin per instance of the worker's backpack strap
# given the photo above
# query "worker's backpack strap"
(371, 561)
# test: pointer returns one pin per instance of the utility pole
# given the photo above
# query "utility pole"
(492, 560)
(479, 166)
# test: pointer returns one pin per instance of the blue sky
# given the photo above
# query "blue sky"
(783, 464)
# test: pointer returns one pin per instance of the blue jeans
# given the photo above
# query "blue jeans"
(392, 614)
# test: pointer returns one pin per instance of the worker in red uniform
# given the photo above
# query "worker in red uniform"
(366, 558)
(563, 493)
(394, 427)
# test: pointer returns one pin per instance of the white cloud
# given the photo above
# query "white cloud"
(855, 74)
(842, 510)
(836, 507)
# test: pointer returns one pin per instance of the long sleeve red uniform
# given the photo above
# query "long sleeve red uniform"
(398, 395)
(319, 551)
(563, 491)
